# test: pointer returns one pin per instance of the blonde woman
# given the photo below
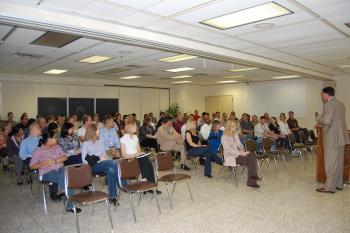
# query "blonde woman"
(234, 153)
(130, 148)
(93, 152)
(194, 148)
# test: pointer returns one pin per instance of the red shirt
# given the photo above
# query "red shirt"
(196, 117)
(177, 126)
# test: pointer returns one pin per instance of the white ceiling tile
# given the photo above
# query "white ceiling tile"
(4, 29)
(335, 9)
(37, 50)
(170, 7)
(320, 3)
(165, 26)
(103, 10)
(80, 44)
(139, 19)
(7, 49)
(136, 3)
(68, 5)
(23, 36)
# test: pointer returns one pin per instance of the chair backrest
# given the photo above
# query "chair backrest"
(78, 176)
(164, 161)
(312, 135)
(267, 144)
(250, 145)
(221, 151)
(129, 169)
(291, 139)
(303, 137)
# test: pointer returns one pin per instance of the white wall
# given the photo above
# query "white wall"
(19, 97)
(302, 96)
(342, 92)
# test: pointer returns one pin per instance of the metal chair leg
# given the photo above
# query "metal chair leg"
(93, 209)
(44, 198)
(284, 161)
(155, 197)
(189, 191)
(138, 203)
(109, 214)
(132, 206)
(221, 169)
(275, 161)
(167, 190)
(76, 218)
(64, 212)
(235, 175)
(172, 192)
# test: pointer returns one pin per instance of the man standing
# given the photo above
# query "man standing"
(335, 137)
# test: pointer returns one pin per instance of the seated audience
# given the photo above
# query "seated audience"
(48, 158)
(147, 135)
(130, 148)
(138, 123)
(109, 137)
(10, 118)
(70, 144)
(97, 120)
(196, 115)
(205, 128)
(93, 153)
(294, 126)
(214, 139)
(120, 123)
(224, 119)
(160, 121)
(179, 122)
(59, 121)
(234, 153)
(87, 121)
(170, 140)
(13, 143)
(194, 148)
(275, 129)
(5, 131)
(29, 144)
(255, 120)
(153, 118)
(261, 130)
(42, 124)
(247, 128)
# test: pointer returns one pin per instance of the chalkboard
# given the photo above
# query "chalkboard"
(106, 106)
(81, 106)
(52, 106)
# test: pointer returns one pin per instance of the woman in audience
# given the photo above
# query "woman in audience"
(119, 122)
(92, 152)
(5, 131)
(276, 131)
(13, 143)
(255, 120)
(48, 158)
(147, 135)
(97, 121)
(214, 139)
(194, 148)
(130, 148)
(70, 144)
(234, 153)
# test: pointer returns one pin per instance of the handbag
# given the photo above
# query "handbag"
(92, 159)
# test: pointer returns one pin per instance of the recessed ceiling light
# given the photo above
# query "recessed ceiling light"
(182, 76)
(177, 58)
(286, 77)
(264, 25)
(344, 66)
(180, 82)
(131, 77)
(95, 59)
(227, 81)
(247, 16)
(244, 69)
(55, 71)
(180, 69)
(235, 76)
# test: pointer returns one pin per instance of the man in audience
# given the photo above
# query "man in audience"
(224, 119)
(205, 128)
(261, 130)
(179, 122)
(109, 137)
(217, 116)
(152, 117)
(247, 128)
(170, 140)
(138, 123)
(233, 116)
(214, 139)
(42, 124)
(160, 122)
(29, 144)
(87, 121)
(24, 121)
(267, 117)
(196, 115)
(294, 126)
(10, 118)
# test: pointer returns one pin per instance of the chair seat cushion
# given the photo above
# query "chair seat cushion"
(86, 198)
(140, 186)
(174, 177)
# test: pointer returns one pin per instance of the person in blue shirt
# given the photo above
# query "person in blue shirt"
(109, 137)
(29, 144)
(215, 135)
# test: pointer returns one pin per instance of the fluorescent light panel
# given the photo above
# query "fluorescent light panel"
(95, 59)
(235, 76)
(131, 77)
(344, 66)
(227, 81)
(180, 69)
(244, 69)
(55, 71)
(177, 58)
(286, 77)
(180, 82)
(247, 16)
(182, 76)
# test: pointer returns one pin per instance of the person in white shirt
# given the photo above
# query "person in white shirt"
(205, 128)
(130, 149)
(87, 121)
(285, 131)
(261, 130)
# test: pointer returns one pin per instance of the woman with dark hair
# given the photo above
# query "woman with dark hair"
(147, 134)
(13, 142)
(48, 158)
(70, 144)
(5, 127)
(52, 129)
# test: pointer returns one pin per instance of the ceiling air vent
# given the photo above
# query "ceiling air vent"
(55, 39)
(114, 70)
(27, 55)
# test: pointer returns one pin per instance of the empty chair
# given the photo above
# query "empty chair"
(164, 162)
(129, 170)
(79, 176)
